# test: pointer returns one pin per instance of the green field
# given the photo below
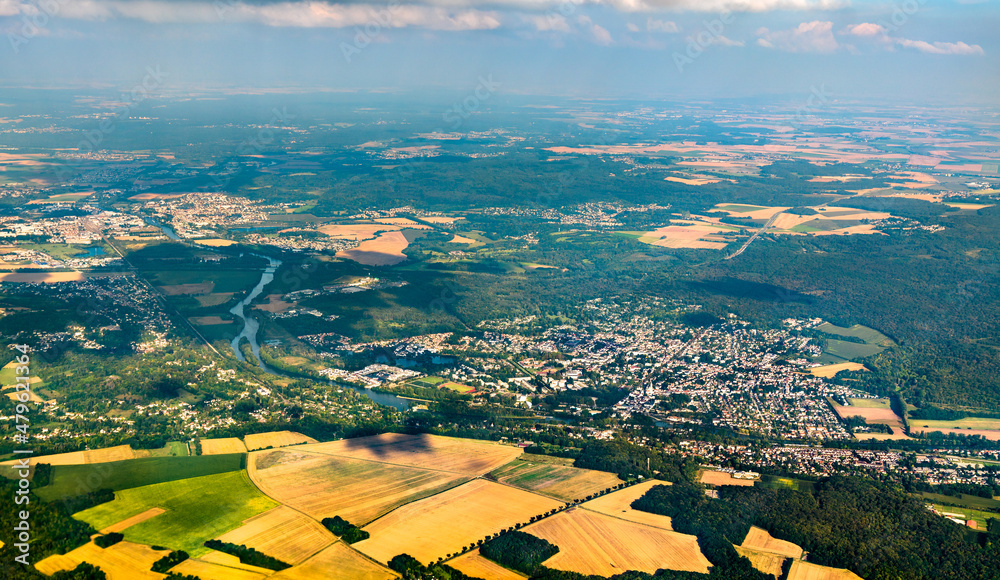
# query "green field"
(869, 335)
(775, 482)
(198, 509)
(977, 423)
(978, 516)
(871, 403)
(963, 500)
(844, 350)
(427, 382)
(72, 480)
(8, 377)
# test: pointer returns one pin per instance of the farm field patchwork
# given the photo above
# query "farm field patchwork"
(282, 533)
(758, 539)
(830, 371)
(465, 456)
(103, 455)
(592, 543)
(805, 571)
(445, 523)
(122, 561)
(619, 504)
(472, 564)
(713, 477)
(212, 571)
(385, 250)
(337, 561)
(766, 562)
(563, 482)
(275, 439)
(222, 446)
(121, 475)
(197, 509)
(359, 491)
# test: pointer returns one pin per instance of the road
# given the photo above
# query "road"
(746, 244)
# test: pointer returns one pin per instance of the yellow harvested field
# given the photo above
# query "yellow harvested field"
(215, 242)
(472, 564)
(619, 504)
(46, 277)
(356, 232)
(559, 481)
(766, 562)
(592, 543)
(359, 491)
(209, 320)
(440, 219)
(385, 250)
(462, 240)
(282, 533)
(180, 289)
(210, 571)
(222, 446)
(465, 456)
(692, 181)
(752, 212)
(129, 522)
(689, 234)
(724, 478)
(829, 371)
(758, 539)
(405, 222)
(447, 522)
(874, 415)
(122, 561)
(230, 561)
(338, 561)
(275, 439)
(806, 571)
(103, 455)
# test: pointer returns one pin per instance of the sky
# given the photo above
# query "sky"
(920, 51)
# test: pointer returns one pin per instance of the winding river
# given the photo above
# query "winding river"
(251, 327)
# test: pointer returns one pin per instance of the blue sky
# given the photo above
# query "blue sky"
(935, 51)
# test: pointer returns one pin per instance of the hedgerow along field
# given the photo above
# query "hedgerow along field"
(450, 521)
(197, 509)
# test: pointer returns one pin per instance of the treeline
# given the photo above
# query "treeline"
(248, 555)
(874, 529)
(344, 529)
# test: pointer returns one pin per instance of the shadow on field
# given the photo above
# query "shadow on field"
(392, 444)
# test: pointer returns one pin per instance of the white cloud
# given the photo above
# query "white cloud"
(879, 34)
(865, 29)
(940, 47)
(631, 27)
(815, 36)
(654, 25)
(548, 22)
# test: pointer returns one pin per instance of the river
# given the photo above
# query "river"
(251, 327)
